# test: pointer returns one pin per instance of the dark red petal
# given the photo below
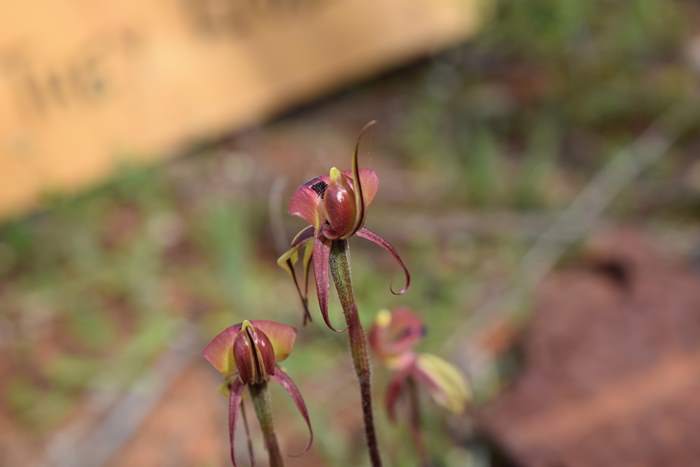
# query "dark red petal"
(321, 256)
(357, 182)
(393, 391)
(286, 382)
(234, 403)
(377, 240)
(244, 358)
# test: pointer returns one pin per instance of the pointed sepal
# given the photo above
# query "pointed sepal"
(234, 404)
(377, 240)
(288, 260)
(321, 258)
(286, 382)
(357, 182)
(394, 390)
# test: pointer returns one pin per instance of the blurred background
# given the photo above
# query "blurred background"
(538, 172)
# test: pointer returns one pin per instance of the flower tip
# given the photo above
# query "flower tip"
(400, 291)
(335, 175)
(383, 318)
(367, 126)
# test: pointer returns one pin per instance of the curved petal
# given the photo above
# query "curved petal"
(234, 403)
(219, 352)
(444, 382)
(377, 240)
(357, 181)
(306, 200)
(286, 382)
(394, 389)
(321, 256)
(306, 263)
(289, 258)
(281, 336)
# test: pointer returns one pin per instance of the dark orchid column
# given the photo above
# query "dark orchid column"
(246, 354)
(334, 206)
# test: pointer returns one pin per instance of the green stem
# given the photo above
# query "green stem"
(261, 402)
(340, 270)
(416, 422)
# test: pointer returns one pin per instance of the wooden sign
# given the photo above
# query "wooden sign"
(88, 84)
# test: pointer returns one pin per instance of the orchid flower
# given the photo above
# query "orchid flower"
(246, 354)
(393, 337)
(334, 206)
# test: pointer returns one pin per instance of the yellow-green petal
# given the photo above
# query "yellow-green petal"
(281, 336)
(445, 383)
(219, 352)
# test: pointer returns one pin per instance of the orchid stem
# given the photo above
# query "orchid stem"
(261, 402)
(416, 422)
(340, 269)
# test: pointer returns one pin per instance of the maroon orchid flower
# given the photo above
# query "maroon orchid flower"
(246, 354)
(393, 338)
(335, 207)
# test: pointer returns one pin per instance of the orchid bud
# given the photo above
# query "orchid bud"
(254, 355)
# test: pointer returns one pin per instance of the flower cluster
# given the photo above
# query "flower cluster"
(247, 354)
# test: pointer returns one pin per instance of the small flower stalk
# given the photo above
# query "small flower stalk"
(334, 206)
(247, 354)
(393, 338)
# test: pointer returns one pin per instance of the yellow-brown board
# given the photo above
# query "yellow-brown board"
(88, 84)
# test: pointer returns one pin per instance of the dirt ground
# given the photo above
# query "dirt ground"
(611, 365)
